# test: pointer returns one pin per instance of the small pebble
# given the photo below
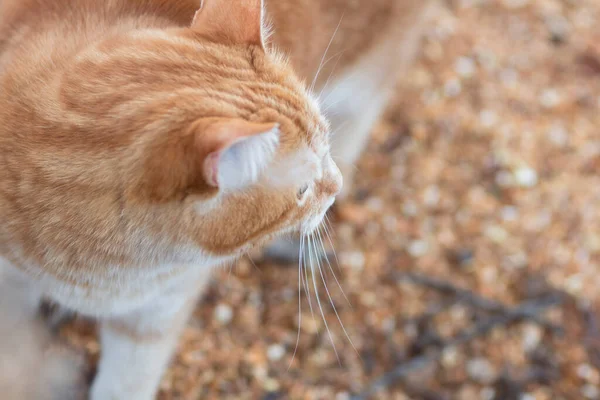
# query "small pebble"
(488, 118)
(509, 77)
(574, 284)
(410, 209)
(590, 391)
(353, 259)
(532, 336)
(271, 385)
(526, 396)
(418, 248)
(481, 370)
(504, 179)
(496, 233)
(487, 393)
(431, 196)
(515, 4)
(452, 88)
(558, 135)
(374, 204)
(526, 177)
(509, 213)
(550, 98)
(461, 257)
(275, 352)
(465, 67)
(223, 314)
(449, 357)
(588, 373)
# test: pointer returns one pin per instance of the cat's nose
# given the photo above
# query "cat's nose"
(333, 182)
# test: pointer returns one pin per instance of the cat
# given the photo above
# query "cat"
(143, 143)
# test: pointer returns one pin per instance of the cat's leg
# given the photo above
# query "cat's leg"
(137, 346)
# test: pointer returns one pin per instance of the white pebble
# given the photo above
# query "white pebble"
(587, 372)
(590, 391)
(574, 284)
(449, 357)
(418, 248)
(532, 336)
(342, 396)
(487, 393)
(526, 396)
(223, 313)
(515, 4)
(465, 67)
(431, 196)
(452, 88)
(504, 179)
(488, 118)
(558, 135)
(353, 259)
(410, 209)
(550, 98)
(374, 204)
(509, 77)
(481, 370)
(526, 177)
(496, 233)
(275, 352)
(509, 213)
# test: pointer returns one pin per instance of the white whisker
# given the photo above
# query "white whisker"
(305, 281)
(312, 248)
(299, 302)
(339, 57)
(321, 64)
(327, 227)
(332, 303)
(331, 268)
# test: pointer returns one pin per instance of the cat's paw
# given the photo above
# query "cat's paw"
(65, 374)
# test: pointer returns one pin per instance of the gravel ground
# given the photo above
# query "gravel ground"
(482, 180)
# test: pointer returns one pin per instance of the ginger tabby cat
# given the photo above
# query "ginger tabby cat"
(144, 142)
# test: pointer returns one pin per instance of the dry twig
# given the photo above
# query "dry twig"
(509, 315)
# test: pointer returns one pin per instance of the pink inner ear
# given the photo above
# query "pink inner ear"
(220, 134)
(211, 169)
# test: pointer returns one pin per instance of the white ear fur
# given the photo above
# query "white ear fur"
(242, 163)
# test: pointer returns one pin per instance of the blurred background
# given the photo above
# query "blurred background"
(468, 251)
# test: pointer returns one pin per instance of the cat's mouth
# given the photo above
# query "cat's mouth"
(312, 224)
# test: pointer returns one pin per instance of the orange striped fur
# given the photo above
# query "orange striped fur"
(117, 120)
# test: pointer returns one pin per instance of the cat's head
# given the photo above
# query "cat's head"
(230, 150)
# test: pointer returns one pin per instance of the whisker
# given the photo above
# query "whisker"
(321, 64)
(331, 269)
(313, 247)
(339, 57)
(299, 301)
(230, 269)
(255, 267)
(333, 305)
(305, 281)
(328, 223)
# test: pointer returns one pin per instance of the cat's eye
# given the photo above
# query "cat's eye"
(302, 191)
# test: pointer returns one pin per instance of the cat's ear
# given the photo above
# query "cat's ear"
(236, 151)
(236, 21)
